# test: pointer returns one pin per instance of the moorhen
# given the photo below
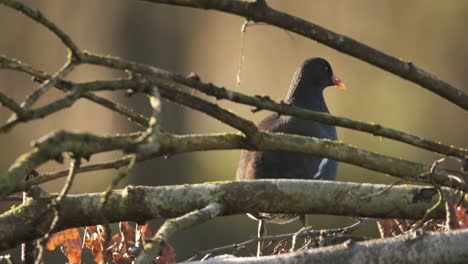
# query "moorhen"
(306, 91)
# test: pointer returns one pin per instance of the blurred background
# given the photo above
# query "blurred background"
(208, 43)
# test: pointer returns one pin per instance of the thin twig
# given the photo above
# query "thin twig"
(241, 54)
(119, 108)
(27, 248)
(55, 206)
(105, 199)
(307, 232)
(32, 98)
(37, 16)
(43, 111)
(10, 104)
(13, 64)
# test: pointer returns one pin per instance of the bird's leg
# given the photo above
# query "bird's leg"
(261, 233)
(303, 219)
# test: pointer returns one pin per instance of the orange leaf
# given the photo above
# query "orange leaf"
(143, 232)
(70, 241)
(128, 232)
(94, 239)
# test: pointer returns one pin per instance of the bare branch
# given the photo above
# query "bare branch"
(153, 133)
(12, 64)
(121, 109)
(114, 164)
(153, 248)
(266, 103)
(247, 127)
(56, 207)
(53, 146)
(37, 16)
(416, 247)
(32, 98)
(43, 111)
(171, 144)
(141, 203)
(254, 11)
(10, 104)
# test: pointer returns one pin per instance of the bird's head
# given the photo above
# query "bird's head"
(311, 78)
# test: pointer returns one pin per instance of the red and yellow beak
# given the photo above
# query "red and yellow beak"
(338, 83)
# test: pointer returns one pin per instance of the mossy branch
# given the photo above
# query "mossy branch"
(139, 203)
(53, 146)
(85, 145)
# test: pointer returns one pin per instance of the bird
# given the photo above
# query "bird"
(305, 91)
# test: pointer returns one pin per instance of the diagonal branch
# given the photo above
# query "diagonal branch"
(247, 127)
(12, 64)
(37, 16)
(11, 104)
(32, 98)
(153, 248)
(56, 207)
(258, 11)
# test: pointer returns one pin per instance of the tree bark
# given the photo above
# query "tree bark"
(138, 203)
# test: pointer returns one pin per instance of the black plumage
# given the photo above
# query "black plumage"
(306, 91)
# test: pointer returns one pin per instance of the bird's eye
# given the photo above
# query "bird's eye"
(326, 68)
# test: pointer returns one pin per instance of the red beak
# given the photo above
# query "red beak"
(338, 83)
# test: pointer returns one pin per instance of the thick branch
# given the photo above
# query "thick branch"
(258, 12)
(447, 247)
(281, 196)
(173, 144)
(153, 248)
(53, 147)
